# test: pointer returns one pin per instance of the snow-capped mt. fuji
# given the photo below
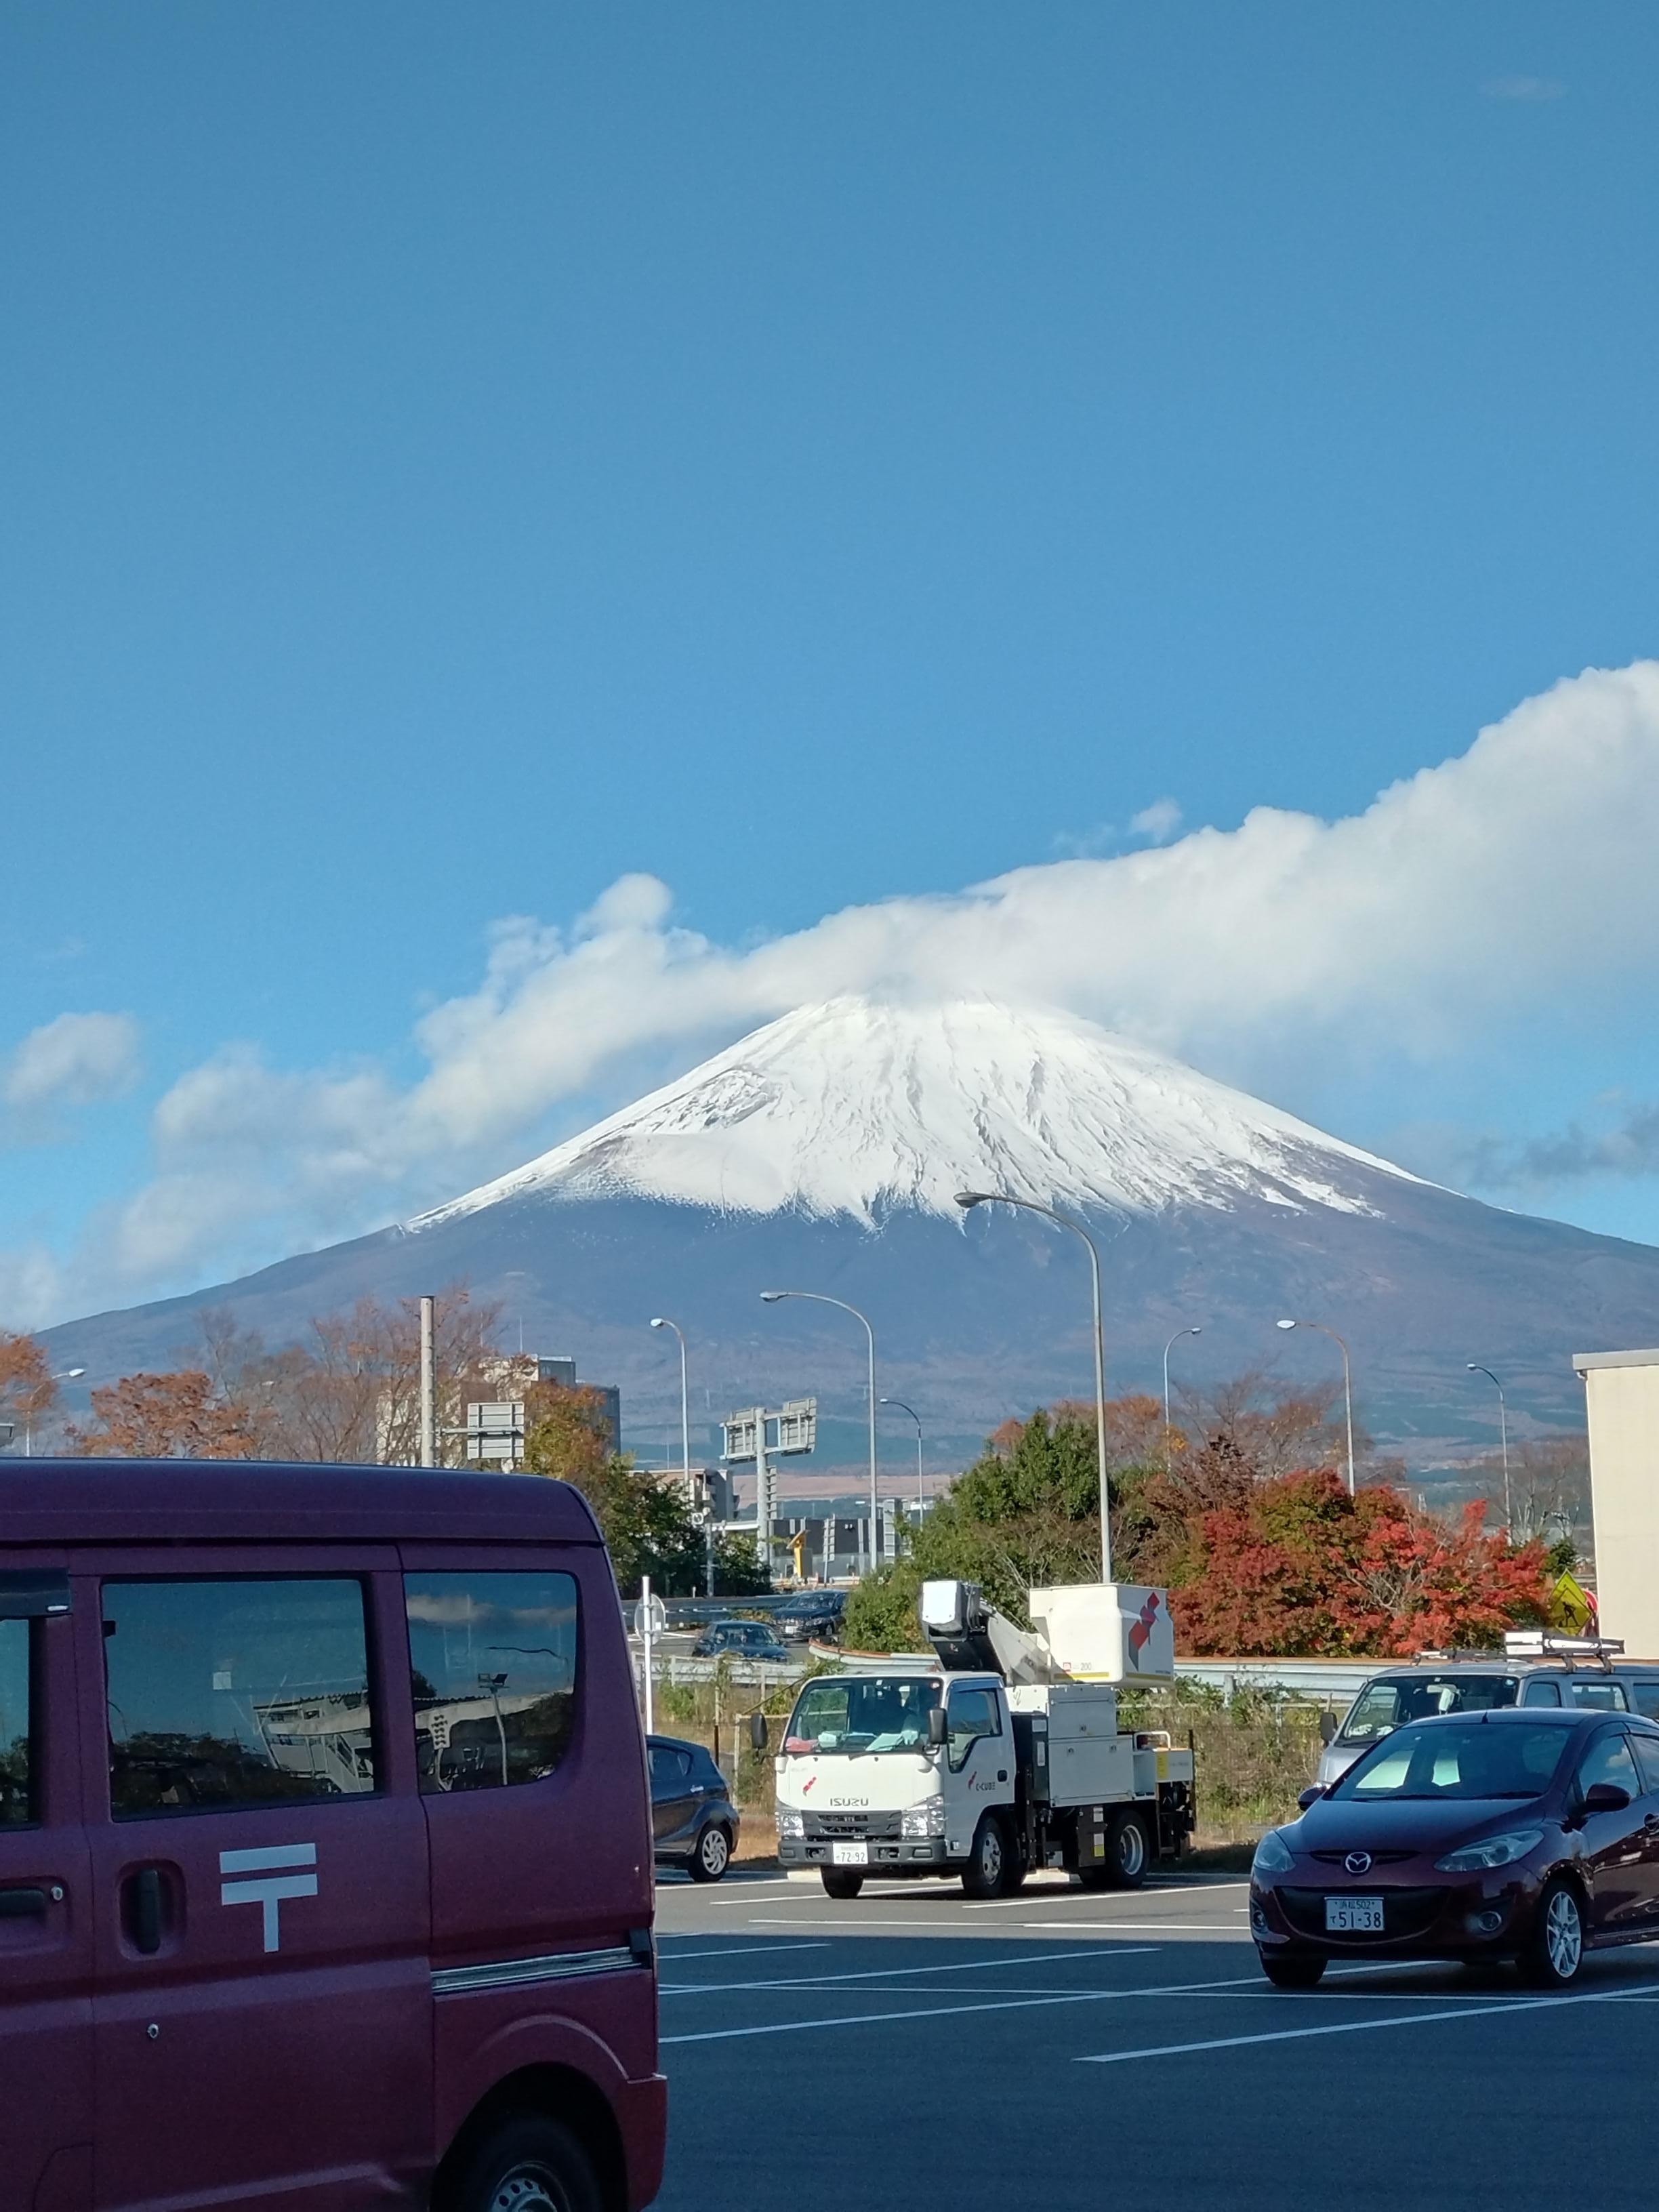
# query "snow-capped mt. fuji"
(822, 1153)
(857, 1107)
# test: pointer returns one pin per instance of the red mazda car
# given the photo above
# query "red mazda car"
(1520, 1833)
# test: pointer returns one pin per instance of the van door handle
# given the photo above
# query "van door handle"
(22, 1904)
(144, 1909)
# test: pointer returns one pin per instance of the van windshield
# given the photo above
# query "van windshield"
(862, 1713)
(1393, 1700)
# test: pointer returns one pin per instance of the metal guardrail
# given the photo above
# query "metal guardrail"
(1321, 1681)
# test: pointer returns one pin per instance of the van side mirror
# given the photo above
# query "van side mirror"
(758, 1730)
(1326, 1725)
(1311, 1794)
(939, 1728)
(1606, 1797)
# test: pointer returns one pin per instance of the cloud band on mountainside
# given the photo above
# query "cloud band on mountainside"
(1492, 884)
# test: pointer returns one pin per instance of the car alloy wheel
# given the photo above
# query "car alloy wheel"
(713, 1855)
(1564, 1935)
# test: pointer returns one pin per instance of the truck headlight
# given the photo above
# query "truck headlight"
(918, 1820)
(791, 1822)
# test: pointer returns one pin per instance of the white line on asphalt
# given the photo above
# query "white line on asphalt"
(743, 1951)
(1117, 1927)
(846, 1928)
(894, 1973)
(1151, 1894)
(1010, 2004)
(1346, 2027)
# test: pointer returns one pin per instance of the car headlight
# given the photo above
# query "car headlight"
(1272, 1855)
(918, 1820)
(791, 1822)
(1492, 1851)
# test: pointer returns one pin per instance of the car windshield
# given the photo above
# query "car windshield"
(1393, 1700)
(1455, 1760)
(862, 1713)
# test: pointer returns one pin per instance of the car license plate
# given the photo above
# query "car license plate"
(1354, 1915)
(853, 1854)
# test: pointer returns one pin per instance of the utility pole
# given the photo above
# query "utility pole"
(429, 1385)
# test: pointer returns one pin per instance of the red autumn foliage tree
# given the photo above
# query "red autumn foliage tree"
(27, 1387)
(1298, 1567)
(177, 1416)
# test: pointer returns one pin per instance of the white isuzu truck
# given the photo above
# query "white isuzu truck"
(1003, 1754)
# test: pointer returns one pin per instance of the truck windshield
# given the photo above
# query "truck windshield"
(1387, 1703)
(862, 1713)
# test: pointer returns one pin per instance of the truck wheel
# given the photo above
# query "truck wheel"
(986, 1873)
(713, 1855)
(529, 2165)
(1127, 1855)
(841, 1881)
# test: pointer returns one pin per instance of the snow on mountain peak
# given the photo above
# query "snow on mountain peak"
(859, 1105)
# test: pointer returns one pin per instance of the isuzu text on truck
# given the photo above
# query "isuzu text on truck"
(1003, 1756)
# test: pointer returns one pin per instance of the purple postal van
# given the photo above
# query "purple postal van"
(326, 1857)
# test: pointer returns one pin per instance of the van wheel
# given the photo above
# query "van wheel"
(529, 2165)
(841, 1881)
(713, 1855)
(986, 1873)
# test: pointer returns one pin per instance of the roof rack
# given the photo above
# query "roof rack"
(1547, 1643)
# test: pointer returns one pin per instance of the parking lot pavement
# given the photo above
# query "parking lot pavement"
(1060, 2047)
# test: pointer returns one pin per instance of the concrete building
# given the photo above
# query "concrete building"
(1621, 1400)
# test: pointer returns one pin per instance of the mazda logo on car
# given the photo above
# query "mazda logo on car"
(1357, 1862)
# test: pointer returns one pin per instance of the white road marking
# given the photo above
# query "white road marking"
(880, 1973)
(1181, 1927)
(1004, 2004)
(1349, 2027)
(743, 1951)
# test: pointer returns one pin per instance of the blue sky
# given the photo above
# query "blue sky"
(465, 465)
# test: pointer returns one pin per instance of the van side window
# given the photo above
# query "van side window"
(223, 1693)
(1599, 1693)
(1645, 1698)
(493, 1658)
(16, 1730)
(1540, 1691)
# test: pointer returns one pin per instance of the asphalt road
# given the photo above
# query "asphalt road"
(1063, 2049)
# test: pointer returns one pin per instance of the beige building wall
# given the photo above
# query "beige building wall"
(1621, 1393)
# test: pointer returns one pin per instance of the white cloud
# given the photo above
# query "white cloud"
(1524, 89)
(75, 1060)
(1157, 822)
(1517, 877)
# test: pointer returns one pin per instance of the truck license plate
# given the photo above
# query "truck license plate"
(858, 1855)
(1354, 1915)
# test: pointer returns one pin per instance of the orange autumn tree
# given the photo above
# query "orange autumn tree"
(174, 1416)
(1300, 1567)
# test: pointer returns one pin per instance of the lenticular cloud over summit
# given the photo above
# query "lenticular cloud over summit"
(859, 1106)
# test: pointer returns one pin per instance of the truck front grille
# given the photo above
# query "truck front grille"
(870, 1825)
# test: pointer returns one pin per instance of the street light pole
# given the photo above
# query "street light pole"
(64, 1375)
(685, 1451)
(967, 1200)
(1168, 1348)
(819, 1297)
(1347, 1381)
(916, 1418)
(1475, 1368)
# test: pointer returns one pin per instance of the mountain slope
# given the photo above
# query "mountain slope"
(822, 1154)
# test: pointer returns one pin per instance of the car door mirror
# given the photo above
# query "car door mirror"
(1327, 1727)
(1311, 1794)
(758, 1730)
(1606, 1797)
(939, 1728)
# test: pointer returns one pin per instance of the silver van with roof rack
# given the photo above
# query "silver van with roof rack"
(1535, 1668)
